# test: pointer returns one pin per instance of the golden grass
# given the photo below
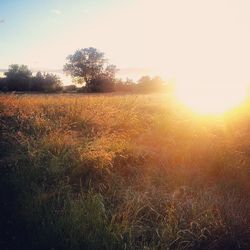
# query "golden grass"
(148, 173)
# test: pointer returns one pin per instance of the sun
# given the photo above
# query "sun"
(211, 98)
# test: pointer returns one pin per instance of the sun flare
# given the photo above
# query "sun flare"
(211, 99)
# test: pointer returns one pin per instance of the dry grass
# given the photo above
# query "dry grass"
(122, 172)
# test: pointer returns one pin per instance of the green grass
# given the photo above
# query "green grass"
(122, 172)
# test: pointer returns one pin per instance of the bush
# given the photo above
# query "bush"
(102, 84)
(45, 82)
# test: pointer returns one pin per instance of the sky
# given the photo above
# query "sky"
(184, 40)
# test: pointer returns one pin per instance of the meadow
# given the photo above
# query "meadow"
(122, 172)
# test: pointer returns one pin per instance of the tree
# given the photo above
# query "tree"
(105, 81)
(144, 80)
(46, 82)
(110, 71)
(18, 78)
(3, 84)
(102, 83)
(89, 66)
(52, 83)
(37, 82)
(125, 86)
(157, 83)
(148, 84)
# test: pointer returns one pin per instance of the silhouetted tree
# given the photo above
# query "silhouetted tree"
(89, 66)
(110, 71)
(125, 86)
(37, 82)
(148, 84)
(102, 83)
(3, 84)
(18, 78)
(46, 82)
(105, 81)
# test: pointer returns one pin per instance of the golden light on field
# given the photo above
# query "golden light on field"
(211, 99)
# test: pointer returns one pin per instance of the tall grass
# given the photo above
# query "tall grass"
(122, 172)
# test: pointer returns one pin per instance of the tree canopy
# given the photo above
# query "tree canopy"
(92, 68)
(18, 77)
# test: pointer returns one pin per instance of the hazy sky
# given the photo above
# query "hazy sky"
(205, 40)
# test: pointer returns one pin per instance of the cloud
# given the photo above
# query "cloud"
(2, 21)
(56, 11)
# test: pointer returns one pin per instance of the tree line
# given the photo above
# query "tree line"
(90, 71)
(20, 78)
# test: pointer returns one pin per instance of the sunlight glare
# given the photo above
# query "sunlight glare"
(210, 99)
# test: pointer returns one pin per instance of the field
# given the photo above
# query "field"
(122, 172)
